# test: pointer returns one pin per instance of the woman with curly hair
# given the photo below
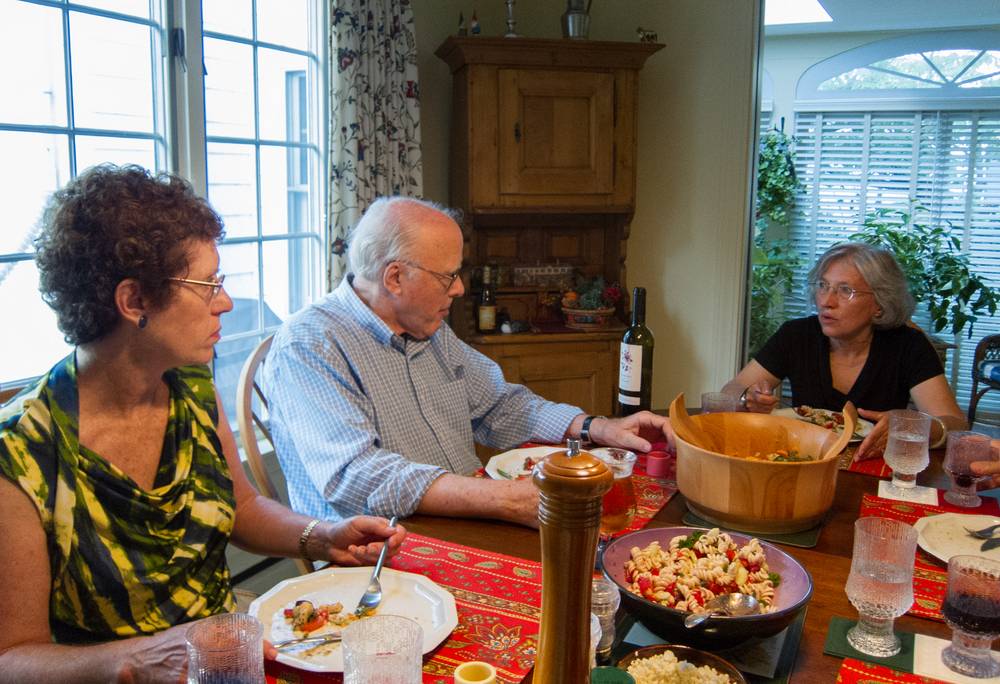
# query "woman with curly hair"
(120, 482)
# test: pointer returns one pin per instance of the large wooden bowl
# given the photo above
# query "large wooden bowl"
(754, 495)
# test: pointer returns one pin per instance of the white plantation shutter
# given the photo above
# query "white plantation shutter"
(852, 163)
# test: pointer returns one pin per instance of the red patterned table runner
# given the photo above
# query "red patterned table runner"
(869, 466)
(859, 672)
(499, 602)
(930, 576)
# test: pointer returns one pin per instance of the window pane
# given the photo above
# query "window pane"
(278, 76)
(32, 167)
(232, 187)
(228, 89)
(284, 22)
(239, 263)
(289, 203)
(291, 277)
(135, 8)
(38, 344)
(112, 74)
(230, 355)
(228, 16)
(31, 38)
(92, 150)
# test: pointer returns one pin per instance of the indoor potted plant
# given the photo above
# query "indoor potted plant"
(590, 305)
(938, 271)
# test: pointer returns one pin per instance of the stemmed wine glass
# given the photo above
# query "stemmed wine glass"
(972, 610)
(619, 503)
(880, 585)
(964, 448)
(907, 451)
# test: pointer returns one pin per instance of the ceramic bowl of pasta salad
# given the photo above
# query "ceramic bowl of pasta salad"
(675, 663)
(666, 573)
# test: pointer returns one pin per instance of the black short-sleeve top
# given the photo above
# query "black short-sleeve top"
(899, 359)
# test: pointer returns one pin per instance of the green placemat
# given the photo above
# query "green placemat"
(805, 539)
(786, 642)
(836, 645)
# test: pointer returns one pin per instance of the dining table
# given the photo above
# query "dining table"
(828, 562)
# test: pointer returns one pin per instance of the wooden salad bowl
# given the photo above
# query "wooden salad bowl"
(726, 488)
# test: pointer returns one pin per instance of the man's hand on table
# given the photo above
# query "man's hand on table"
(636, 432)
(873, 445)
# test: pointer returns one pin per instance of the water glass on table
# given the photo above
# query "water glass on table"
(880, 584)
(963, 449)
(972, 610)
(719, 402)
(618, 507)
(226, 649)
(383, 649)
(907, 451)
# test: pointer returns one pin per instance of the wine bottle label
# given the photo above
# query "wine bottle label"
(630, 368)
(487, 317)
(625, 399)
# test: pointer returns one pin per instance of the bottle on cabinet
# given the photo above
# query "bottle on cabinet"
(486, 310)
(635, 360)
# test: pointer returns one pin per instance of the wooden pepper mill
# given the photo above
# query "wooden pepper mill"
(571, 485)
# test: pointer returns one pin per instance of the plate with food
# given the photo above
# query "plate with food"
(323, 602)
(517, 464)
(832, 420)
(947, 535)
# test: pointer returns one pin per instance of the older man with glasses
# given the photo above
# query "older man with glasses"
(857, 347)
(376, 405)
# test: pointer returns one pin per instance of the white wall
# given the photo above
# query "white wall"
(696, 116)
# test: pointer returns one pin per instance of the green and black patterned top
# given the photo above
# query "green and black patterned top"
(124, 561)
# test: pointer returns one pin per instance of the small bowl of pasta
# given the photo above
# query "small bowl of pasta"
(675, 663)
(667, 573)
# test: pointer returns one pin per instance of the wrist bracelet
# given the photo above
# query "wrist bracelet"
(743, 398)
(304, 537)
(944, 433)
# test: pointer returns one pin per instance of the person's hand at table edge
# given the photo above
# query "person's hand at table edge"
(873, 445)
(990, 468)
(636, 432)
(356, 540)
(759, 398)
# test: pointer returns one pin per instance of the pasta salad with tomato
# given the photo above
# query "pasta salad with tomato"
(696, 568)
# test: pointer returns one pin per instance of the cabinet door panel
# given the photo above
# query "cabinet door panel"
(556, 132)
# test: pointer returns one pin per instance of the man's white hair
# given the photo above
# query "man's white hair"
(386, 233)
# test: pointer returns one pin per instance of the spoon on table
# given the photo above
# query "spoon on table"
(733, 605)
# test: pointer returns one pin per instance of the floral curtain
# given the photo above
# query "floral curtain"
(374, 113)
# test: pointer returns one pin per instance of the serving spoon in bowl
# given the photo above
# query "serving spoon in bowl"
(733, 605)
(850, 421)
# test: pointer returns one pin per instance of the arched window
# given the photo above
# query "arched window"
(903, 121)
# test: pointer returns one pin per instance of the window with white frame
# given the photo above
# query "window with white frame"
(912, 120)
(96, 82)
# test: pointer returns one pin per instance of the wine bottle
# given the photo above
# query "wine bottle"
(635, 361)
(486, 312)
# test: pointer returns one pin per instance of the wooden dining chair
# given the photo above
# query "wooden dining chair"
(988, 349)
(252, 418)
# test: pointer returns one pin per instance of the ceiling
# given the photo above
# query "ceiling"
(850, 16)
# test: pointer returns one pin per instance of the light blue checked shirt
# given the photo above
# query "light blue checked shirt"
(364, 420)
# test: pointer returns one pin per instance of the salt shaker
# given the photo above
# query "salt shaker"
(604, 601)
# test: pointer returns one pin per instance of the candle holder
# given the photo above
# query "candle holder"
(511, 33)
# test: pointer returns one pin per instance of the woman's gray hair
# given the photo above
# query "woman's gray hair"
(881, 271)
(386, 233)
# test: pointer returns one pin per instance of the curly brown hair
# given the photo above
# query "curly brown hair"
(108, 224)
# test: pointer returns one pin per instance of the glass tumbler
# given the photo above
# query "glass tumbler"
(880, 584)
(719, 402)
(972, 610)
(907, 451)
(383, 649)
(226, 648)
(964, 448)
(604, 602)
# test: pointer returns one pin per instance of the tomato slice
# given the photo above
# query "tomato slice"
(318, 620)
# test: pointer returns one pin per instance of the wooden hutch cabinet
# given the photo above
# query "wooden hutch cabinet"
(543, 158)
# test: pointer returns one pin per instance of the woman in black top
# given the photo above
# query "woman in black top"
(857, 347)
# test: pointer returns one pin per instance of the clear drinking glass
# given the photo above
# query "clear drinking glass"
(383, 649)
(964, 448)
(972, 610)
(907, 452)
(619, 503)
(226, 648)
(880, 585)
(719, 402)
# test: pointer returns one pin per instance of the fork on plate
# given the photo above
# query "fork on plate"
(985, 533)
(373, 594)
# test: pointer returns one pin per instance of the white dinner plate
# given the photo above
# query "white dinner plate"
(865, 426)
(510, 464)
(403, 593)
(945, 535)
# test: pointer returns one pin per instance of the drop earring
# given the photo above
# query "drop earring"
(143, 321)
